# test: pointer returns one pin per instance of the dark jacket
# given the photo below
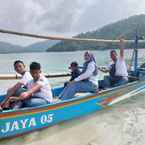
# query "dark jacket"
(75, 74)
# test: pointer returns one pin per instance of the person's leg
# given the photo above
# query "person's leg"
(20, 91)
(120, 82)
(107, 82)
(33, 102)
(87, 86)
(17, 105)
(11, 92)
(72, 89)
(65, 84)
(101, 84)
(69, 91)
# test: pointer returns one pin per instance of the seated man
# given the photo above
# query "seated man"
(118, 74)
(20, 86)
(75, 72)
(39, 90)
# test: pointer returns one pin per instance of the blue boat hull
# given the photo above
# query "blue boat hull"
(17, 122)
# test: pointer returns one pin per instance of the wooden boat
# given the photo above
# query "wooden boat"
(22, 121)
(17, 122)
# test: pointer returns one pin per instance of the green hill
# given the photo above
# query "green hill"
(35, 47)
(126, 28)
(10, 48)
(40, 46)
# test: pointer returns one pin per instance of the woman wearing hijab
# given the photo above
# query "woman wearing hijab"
(85, 82)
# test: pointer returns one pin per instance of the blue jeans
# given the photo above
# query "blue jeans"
(106, 83)
(120, 82)
(81, 86)
(32, 102)
(20, 91)
(35, 101)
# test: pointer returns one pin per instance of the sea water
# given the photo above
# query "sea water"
(122, 124)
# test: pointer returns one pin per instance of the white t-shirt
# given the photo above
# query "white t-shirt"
(88, 74)
(26, 78)
(45, 90)
(121, 68)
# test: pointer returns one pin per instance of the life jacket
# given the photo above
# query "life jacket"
(85, 65)
(113, 78)
(74, 74)
(112, 70)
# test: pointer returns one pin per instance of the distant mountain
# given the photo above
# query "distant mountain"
(9, 48)
(126, 28)
(36, 47)
(41, 46)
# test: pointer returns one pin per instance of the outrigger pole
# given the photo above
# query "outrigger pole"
(59, 37)
(15, 76)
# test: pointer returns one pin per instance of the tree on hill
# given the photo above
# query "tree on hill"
(126, 28)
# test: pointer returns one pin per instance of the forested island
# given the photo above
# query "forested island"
(126, 28)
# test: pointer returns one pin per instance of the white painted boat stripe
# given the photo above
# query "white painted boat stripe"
(128, 95)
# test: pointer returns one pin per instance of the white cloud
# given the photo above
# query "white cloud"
(63, 17)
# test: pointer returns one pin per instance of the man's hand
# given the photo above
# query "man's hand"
(103, 69)
(24, 95)
(6, 104)
(13, 99)
(71, 82)
(122, 41)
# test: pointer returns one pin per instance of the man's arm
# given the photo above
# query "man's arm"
(87, 73)
(103, 69)
(122, 47)
(11, 91)
(29, 93)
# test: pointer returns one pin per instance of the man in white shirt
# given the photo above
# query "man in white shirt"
(118, 74)
(19, 87)
(38, 90)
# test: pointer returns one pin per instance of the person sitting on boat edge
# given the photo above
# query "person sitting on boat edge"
(20, 86)
(85, 82)
(118, 74)
(38, 90)
(75, 72)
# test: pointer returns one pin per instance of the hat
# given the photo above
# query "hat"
(73, 64)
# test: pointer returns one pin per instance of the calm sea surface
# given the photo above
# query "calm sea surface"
(123, 124)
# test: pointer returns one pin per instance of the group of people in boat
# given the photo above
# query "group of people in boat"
(34, 89)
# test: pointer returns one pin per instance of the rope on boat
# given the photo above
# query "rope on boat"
(61, 37)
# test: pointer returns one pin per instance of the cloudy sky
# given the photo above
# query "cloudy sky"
(62, 17)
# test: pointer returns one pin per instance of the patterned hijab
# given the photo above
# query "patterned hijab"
(85, 65)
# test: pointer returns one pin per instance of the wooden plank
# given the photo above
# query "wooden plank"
(15, 76)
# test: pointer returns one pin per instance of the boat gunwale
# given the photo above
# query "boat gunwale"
(57, 105)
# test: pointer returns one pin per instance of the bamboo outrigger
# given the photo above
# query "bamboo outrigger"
(22, 121)
(16, 76)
